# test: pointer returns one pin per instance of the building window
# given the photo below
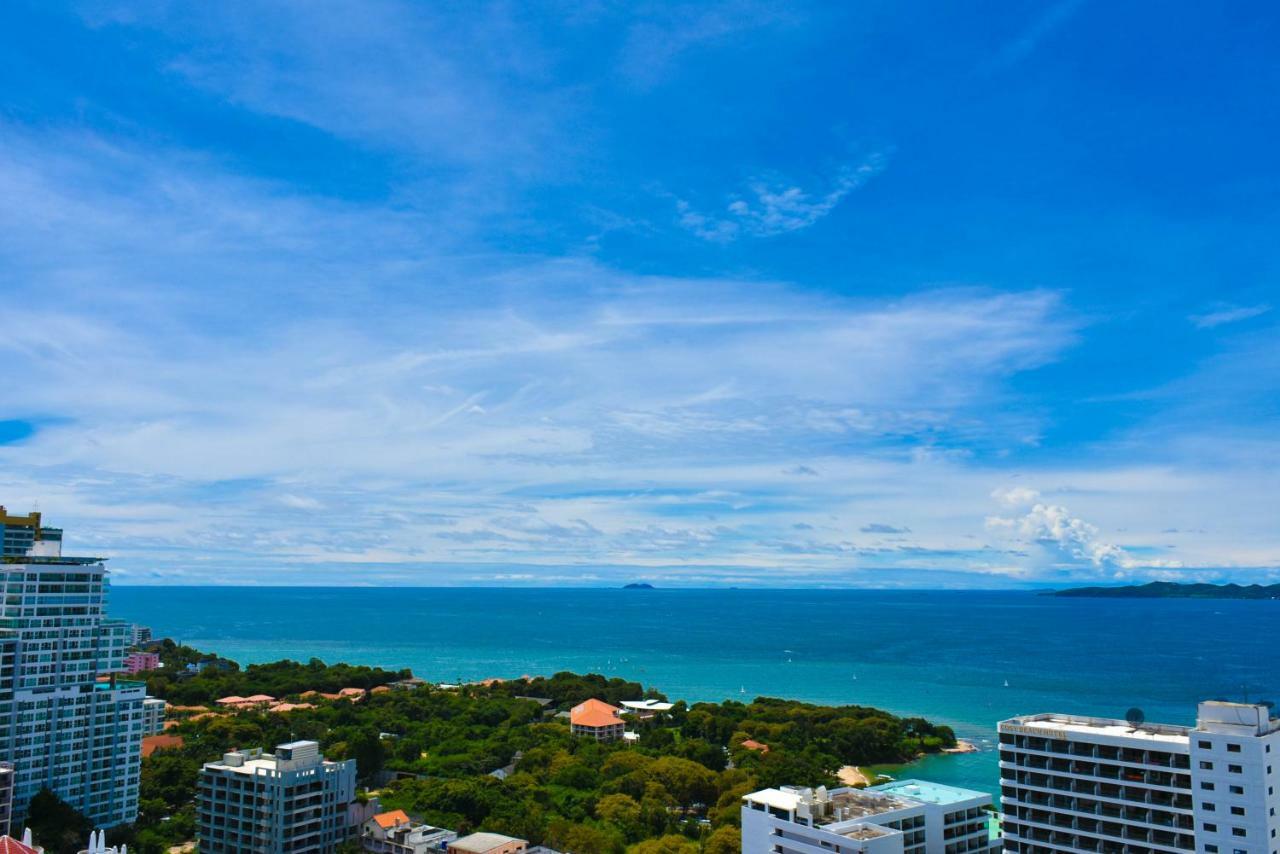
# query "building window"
(1210, 828)
(1237, 790)
(1235, 769)
(1237, 810)
(1205, 784)
(1206, 766)
(1206, 745)
(1233, 748)
(1238, 831)
(1207, 807)
(1212, 849)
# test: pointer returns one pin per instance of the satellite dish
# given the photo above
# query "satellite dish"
(1135, 717)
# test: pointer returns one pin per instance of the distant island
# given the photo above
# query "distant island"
(1175, 590)
(637, 585)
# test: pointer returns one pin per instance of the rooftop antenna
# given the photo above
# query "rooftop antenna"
(1135, 718)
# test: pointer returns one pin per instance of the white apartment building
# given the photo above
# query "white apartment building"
(6, 796)
(59, 727)
(152, 716)
(1080, 784)
(903, 817)
(293, 800)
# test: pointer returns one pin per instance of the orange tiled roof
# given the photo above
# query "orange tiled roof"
(381, 689)
(152, 743)
(388, 820)
(351, 692)
(9, 845)
(290, 707)
(233, 700)
(594, 713)
(752, 744)
(259, 698)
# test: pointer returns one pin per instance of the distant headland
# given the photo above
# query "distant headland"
(637, 585)
(1175, 590)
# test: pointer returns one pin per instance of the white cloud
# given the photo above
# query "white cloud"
(1067, 535)
(771, 207)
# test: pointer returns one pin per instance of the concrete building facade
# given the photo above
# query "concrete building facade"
(60, 727)
(1082, 784)
(903, 817)
(292, 800)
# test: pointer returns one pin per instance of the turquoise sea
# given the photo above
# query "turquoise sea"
(944, 655)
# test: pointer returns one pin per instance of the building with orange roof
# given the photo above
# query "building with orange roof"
(381, 689)
(597, 719)
(9, 845)
(395, 833)
(152, 743)
(280, 708)
(752, 744)
(233, 700)
(352, 693)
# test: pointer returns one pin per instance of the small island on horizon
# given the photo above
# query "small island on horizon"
(1175, 590)
(638, 585)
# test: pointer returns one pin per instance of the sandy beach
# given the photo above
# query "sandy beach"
(851, 775)
(962, 746)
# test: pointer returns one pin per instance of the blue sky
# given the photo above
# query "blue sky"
(891, 294)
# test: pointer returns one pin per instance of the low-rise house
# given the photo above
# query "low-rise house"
(281, 708)
(353, 694)
(645, 709)
(9, 845)
(752, 744)
(138, 662)
(488, 843)
(395, 833)
(597, 719)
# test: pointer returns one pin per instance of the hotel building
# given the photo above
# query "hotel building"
(293, 800)
(1079, 784)
(60, 728)
(903, 817)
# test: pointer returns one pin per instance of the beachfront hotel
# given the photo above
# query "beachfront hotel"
(902, 817)
(293, 800)
(1073, 783)
(60, 727)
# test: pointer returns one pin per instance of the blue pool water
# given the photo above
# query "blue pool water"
(943, 655)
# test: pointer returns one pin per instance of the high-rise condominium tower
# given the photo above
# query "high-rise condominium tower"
(60, 727)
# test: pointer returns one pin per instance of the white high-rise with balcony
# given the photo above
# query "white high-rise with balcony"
(1084, 784)
(59, 727)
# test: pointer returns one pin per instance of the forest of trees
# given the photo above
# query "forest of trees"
(678, 789)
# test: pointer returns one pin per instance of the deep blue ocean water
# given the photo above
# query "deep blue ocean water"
(943, 655)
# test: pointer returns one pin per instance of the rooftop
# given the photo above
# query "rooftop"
(480, 843)
(594, 713)
(930, 793)
(1059, 726)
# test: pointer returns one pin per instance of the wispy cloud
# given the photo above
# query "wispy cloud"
(771, 207)
(1046, 24)
(1227, 314)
